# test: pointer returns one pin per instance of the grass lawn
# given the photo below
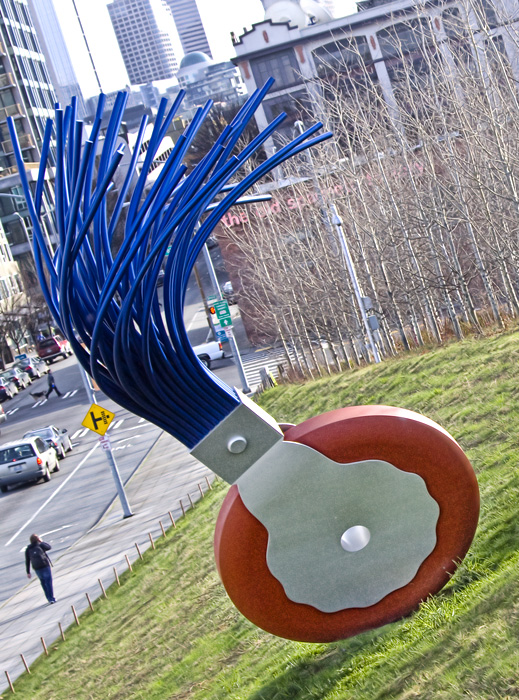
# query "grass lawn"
(170, 632)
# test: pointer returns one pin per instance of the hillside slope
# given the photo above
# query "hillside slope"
(171, 632)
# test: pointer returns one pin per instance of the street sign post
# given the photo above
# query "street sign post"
(98, 420)
(230, 335)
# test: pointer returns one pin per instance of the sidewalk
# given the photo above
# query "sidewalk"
(167, 474)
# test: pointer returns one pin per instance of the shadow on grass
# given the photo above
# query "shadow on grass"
(314, 676)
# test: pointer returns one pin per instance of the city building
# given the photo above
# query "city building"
(146, 35)
(136, 108)
(373, 44)
(59, 63)
(26, 95)
(203, 79)
(189, 26)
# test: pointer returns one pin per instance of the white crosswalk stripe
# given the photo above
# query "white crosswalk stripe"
(116, 425)
(76, 434)
(13, 410)
(83, 432)
(68, 395)
(40, 403)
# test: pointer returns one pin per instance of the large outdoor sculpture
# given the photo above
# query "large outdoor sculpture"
(341, 524)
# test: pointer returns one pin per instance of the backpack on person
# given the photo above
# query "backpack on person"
(38, 557)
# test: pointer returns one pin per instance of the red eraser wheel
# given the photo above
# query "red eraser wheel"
(409, 442)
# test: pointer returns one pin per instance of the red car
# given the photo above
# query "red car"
(51, 348)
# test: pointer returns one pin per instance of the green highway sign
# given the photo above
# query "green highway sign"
(223, 313)
(222, 309)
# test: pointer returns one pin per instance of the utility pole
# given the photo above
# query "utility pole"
(229, 331)
(337, 222)
(317, 187)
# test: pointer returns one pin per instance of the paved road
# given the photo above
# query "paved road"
(166, 475)
(67, 506)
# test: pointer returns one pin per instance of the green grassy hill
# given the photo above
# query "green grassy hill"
(171, 632)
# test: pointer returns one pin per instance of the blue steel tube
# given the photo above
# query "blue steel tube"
(105, 300)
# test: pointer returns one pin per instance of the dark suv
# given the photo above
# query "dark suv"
(51, 348)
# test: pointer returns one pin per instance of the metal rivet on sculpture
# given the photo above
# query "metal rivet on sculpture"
(341, 524)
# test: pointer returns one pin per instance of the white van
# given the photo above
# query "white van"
(30, 459)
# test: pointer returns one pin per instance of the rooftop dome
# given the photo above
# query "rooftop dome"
(191, 59)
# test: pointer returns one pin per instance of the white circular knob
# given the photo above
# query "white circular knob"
(355, 538)
(237, 444)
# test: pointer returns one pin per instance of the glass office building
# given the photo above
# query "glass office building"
(26, 95)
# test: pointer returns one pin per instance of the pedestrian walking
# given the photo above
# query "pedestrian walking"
(52, 385)
(37, 557)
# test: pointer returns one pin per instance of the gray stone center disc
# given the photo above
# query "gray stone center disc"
(307, 502)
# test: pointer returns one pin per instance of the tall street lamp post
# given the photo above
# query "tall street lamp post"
(337, 221)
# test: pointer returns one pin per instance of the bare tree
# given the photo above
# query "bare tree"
(424, 170)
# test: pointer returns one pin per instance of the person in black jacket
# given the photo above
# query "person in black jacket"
(36, 555)
(52, 385)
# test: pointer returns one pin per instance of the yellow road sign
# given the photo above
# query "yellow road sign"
(98, 419)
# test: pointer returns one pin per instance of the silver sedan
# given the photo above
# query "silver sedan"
(56, 437)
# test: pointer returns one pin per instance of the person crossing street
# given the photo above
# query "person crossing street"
(52, 385)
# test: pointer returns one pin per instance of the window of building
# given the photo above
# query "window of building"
(456, 28)
(4, 290)
(281, 66)
(454, 25)
(295, 105)
(15, 232)
(485, 13)
(498, 61)
(6, 98)
(339, 55)
(404, 38)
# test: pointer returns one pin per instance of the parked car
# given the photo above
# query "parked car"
(18, 376)
(208, 352)
(30, 459)
(8, 389)
(51, 348)
(42, 365)
(58, 439)
(228, 292)
(34, 366)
